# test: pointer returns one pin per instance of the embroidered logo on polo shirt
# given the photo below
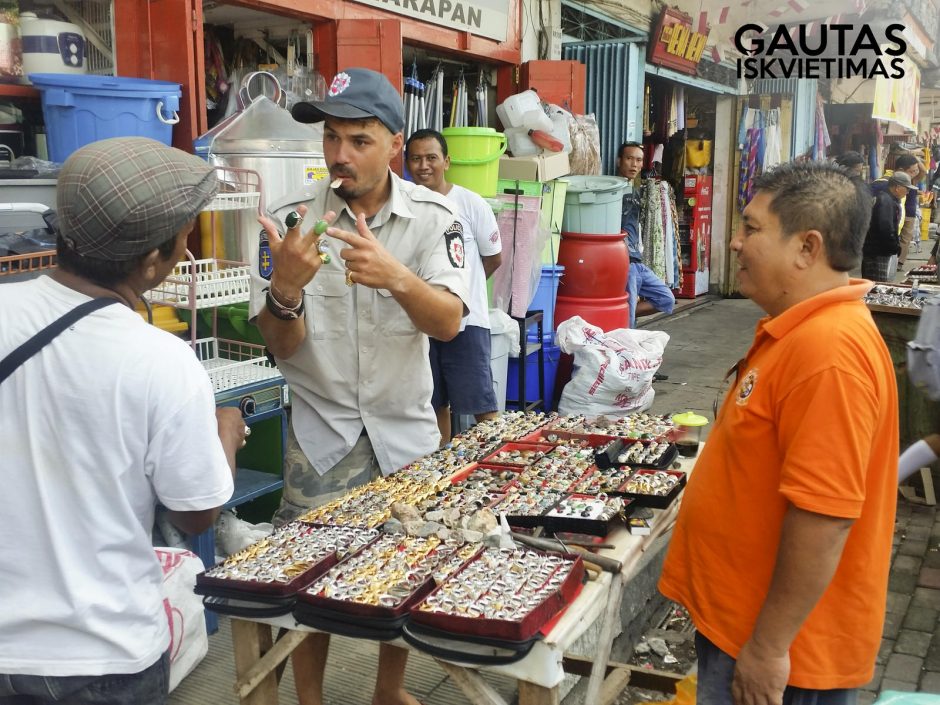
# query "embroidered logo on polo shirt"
(340, 83)
(453, 239)
(265, 261)
(746, 388)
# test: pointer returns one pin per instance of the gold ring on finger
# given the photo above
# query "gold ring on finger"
(349, 279)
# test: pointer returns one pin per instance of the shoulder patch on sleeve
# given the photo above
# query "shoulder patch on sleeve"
(453, 240)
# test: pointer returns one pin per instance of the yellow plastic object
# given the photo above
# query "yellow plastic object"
(210, 232)
(689, 418)
(164, 317)
(925, 214)
(685, 692)
(474, 157)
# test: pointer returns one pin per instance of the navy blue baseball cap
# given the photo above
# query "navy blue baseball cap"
(355, 94)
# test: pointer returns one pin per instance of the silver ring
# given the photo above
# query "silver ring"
(247, 430)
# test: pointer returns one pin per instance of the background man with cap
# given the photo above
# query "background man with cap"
(350, 334)
(911, 165)
(882, 242)
(109, 417)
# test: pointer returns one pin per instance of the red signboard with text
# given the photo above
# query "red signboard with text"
(675, 44)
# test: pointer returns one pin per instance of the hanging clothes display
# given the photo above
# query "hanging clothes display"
(773, 146)
(659, 218)
(821, 139)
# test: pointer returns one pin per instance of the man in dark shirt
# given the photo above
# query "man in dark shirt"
(910, 165)
(882, 241)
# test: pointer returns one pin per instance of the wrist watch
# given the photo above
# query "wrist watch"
(279, 310)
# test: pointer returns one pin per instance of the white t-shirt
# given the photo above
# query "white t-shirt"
(109, 418)
(481, 239)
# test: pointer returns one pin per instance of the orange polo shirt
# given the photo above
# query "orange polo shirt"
(812, 420)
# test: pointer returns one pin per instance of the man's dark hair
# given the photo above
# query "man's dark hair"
(103, 272)
(905, 161)
(818, 196)
(625, 145)
(427, 135)
(850, 159)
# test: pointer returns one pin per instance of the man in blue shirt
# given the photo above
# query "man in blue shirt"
(648, 293)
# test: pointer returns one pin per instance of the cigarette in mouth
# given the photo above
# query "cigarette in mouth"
(336, 183)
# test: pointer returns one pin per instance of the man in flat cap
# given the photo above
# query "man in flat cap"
(102, 417)
(349, 326)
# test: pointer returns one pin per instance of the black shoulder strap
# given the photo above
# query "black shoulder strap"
(32, 346)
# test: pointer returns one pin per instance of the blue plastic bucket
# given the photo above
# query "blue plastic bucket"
(79, 110)
(545, 300)
(552, 355)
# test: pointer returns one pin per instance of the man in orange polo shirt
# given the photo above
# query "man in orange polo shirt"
(782, 546)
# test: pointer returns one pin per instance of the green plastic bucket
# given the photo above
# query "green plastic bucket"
(474, 157)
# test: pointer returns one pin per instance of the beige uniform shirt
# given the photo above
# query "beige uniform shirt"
(363, 363)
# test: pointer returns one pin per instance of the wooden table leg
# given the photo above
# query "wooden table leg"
(472, 684)
(531, 694)
(250, 641)
(605, 640)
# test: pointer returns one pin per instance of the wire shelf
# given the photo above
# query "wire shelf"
(216, 283)
(234, 201)
(231, 364)
(238, 189)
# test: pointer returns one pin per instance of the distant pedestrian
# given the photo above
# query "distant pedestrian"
(853, 163)
(782, 547)
(648, 293)
(912, 166)
(882, 243)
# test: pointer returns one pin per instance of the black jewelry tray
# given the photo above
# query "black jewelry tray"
(667, 459)
(477, 650)
(239, 606)
(656, 501)
(585, 525)
(344, 624)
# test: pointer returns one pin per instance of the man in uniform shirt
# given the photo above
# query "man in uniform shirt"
(463, 380)
(347, 317)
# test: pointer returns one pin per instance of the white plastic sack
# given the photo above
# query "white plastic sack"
(189, 642)
(613, 372)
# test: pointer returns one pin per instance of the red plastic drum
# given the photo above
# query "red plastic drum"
(596, 266)
(607, 313)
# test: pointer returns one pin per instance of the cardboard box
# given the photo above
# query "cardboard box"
(541, 168)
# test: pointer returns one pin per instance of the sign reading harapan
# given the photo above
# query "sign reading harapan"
(485, 18)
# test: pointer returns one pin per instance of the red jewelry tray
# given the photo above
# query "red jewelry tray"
(492, 458)
(464, 474)
(584, 525)
(502, 629)
(364, 611)
(225, 587)
(655, 501)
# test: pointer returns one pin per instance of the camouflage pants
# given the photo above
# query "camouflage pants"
(305, 488)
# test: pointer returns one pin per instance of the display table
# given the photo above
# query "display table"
(540, 673)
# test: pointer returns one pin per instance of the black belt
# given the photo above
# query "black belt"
(636, 260)
(363, 432)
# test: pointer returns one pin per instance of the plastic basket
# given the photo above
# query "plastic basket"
(233, 201)
(233, 364)
(216, 283)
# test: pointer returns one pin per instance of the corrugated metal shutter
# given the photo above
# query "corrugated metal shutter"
(614, 91)
(803, 91)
